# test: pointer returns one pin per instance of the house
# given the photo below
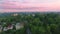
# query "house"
(8, 27)
(19, 25)
(5, 29)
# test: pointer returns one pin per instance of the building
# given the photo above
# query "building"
(15, 14)
(8, 27)
(19, 25)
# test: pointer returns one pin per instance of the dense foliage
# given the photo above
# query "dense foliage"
(37, 23)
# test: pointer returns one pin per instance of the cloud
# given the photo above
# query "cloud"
(29, 5)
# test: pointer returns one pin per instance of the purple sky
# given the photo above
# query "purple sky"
(29, 5)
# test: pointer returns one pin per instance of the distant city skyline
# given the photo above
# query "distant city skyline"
(29, 5)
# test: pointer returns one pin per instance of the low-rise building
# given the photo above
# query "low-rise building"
(8, 27)
(19, 25)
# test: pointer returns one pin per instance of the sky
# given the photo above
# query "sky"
(29, 5)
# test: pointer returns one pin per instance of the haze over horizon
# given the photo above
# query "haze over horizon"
(29, 5)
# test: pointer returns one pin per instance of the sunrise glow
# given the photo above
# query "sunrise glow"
(29, 5)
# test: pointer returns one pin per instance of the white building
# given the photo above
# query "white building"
(19, 26)
(5, 29)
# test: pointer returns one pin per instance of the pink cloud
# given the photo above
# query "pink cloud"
(26, 6)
